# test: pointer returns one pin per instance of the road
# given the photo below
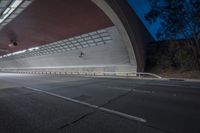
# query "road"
(67, 104)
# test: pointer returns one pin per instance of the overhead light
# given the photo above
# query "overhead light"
(13, 44)
(19, 52)
(10, 9)
(16, 3)
(35, 48)
(9, 54)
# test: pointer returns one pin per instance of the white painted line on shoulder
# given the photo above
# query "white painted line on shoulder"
(120, 114)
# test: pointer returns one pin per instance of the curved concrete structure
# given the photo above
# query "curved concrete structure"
(88, 36)
(119, 25)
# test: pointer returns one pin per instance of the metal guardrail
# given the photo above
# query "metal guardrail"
(138, 74)
(122, 74)
(150, 74)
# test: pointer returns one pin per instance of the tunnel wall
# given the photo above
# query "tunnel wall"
(110, 56)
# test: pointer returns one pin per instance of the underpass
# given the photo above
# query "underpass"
(77, 66)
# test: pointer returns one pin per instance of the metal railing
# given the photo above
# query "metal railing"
(138, 74)
(149, 74)
(93, 74)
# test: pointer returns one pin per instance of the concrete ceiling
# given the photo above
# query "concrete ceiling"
(46, 21)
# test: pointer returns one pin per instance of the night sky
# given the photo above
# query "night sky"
(141, 7)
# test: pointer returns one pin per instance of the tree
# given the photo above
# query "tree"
(179, 19)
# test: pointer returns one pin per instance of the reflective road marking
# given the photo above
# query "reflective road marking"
(131, 117)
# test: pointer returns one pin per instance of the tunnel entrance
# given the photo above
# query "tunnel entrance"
(85, 37)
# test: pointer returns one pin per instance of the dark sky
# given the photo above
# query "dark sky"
(141, 7)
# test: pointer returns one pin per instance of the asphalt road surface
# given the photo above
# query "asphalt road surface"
(64, 104)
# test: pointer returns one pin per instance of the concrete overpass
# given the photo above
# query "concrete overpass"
(70, 36)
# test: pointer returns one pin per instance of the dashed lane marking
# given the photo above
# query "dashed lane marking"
(114, 112)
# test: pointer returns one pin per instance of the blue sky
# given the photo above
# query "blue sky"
(141, 7)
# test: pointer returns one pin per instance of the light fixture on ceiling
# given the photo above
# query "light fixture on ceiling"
(13, 44)
(10, 9)
(32, 49)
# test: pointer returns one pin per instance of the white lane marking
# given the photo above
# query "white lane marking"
(131, 117)
(123, 115)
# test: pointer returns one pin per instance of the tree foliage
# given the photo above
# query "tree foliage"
(179, 19)
(170, 55)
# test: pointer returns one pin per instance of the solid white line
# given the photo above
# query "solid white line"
(92, 106)
(63, 97)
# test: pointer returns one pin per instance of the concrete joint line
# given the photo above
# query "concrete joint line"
(120, 114)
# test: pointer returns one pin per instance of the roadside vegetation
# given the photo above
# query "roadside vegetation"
(172, 59)
(178, 48)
